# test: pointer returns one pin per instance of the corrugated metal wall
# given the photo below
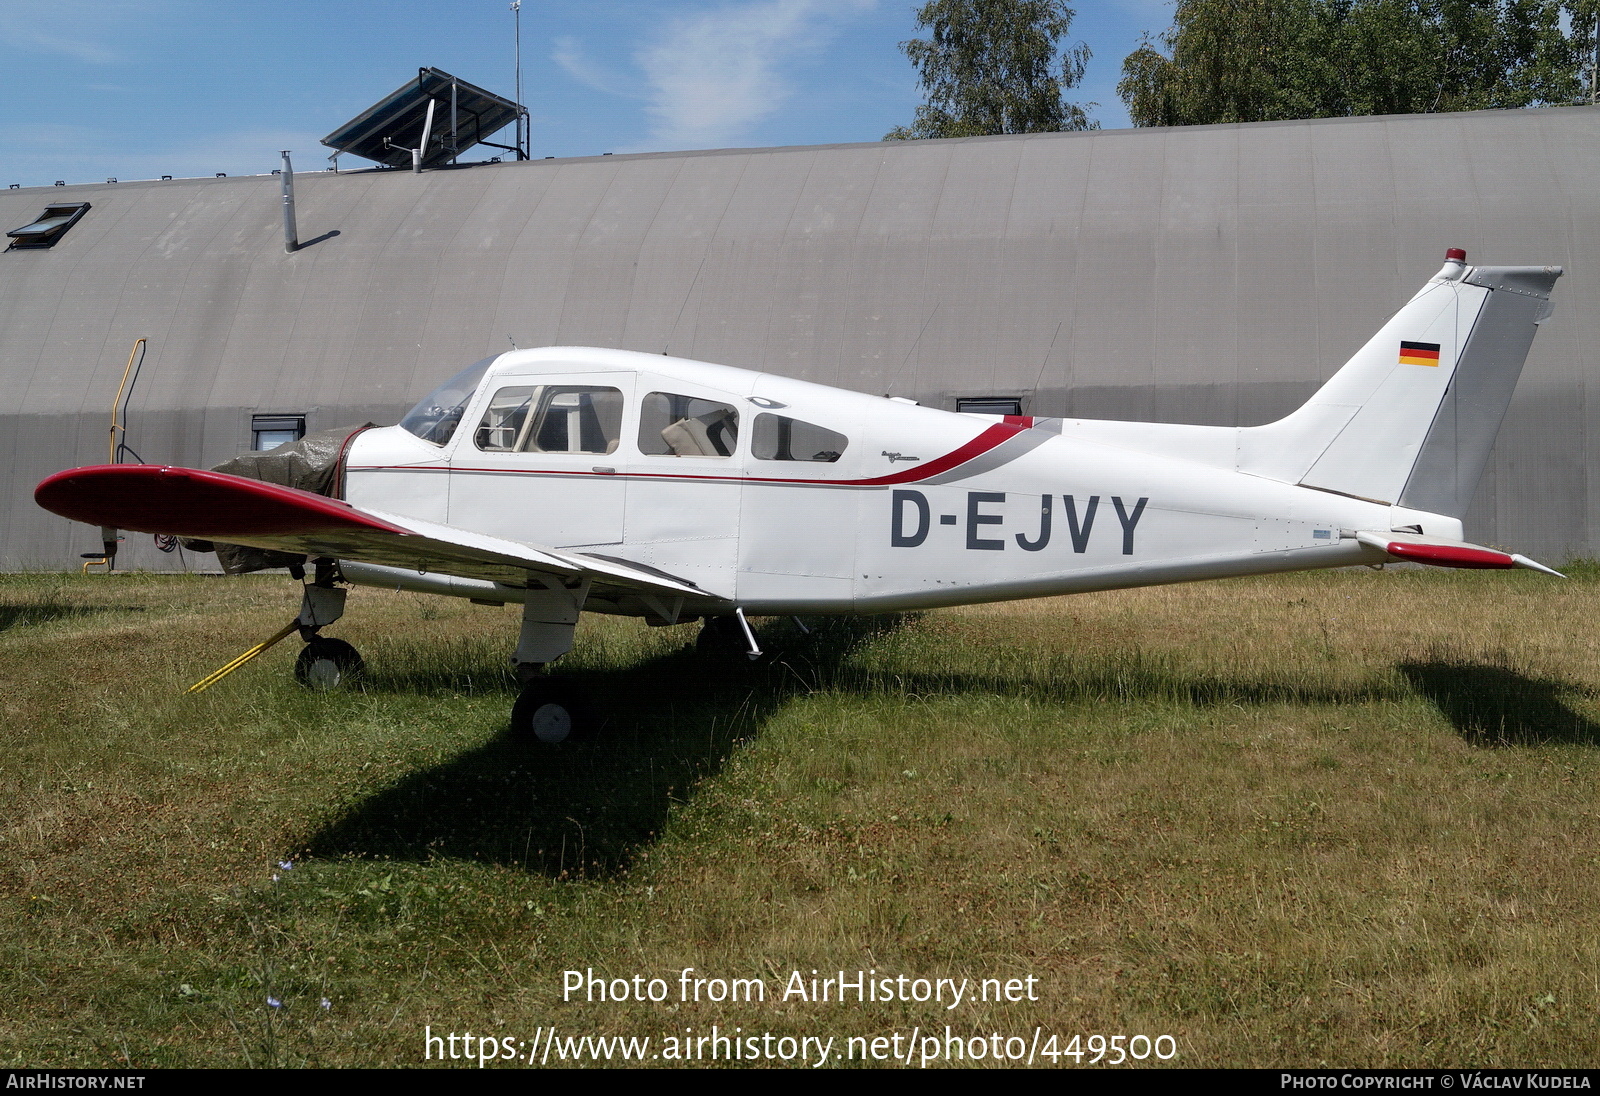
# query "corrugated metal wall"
(1209, 274)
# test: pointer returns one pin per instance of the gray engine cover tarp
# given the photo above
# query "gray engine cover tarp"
(310, 464)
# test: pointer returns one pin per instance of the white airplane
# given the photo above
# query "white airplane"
(572, 479)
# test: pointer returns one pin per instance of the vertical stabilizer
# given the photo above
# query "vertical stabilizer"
(1412, 417)
(1462, 435)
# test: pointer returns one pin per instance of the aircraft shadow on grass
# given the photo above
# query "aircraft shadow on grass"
(1492, 705)
(18, 615)
(588, 807)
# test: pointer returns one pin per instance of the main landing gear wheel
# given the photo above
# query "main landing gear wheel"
(549, 713)
(719, 635)
(328, 664)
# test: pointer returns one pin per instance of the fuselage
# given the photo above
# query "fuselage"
(782, 496)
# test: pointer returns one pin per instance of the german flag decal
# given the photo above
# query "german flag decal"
(1415, 353)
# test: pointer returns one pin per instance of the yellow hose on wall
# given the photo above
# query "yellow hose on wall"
(111, 442)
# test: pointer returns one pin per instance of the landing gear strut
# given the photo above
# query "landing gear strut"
(324, 663)
(547, 710)
(718, 635)
(727, 634)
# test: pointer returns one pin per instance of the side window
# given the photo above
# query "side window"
(778, 438)
(551, 418)
(684, 426)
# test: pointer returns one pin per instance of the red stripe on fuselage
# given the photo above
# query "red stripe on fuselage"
(989, 439)
(978, 446)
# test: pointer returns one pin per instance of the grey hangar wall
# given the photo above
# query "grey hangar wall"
(1210, 274)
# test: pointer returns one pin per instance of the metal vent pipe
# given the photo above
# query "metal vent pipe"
(291, 234)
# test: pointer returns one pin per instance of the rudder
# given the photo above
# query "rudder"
(1463, 432)
(1412, 417)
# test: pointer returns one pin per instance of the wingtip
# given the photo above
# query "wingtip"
(1532, 565)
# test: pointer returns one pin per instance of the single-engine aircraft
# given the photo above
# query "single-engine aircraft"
(572, 479)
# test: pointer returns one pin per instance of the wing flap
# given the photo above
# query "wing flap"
(189, 502)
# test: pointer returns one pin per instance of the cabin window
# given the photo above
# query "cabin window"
(271, 431)
(436, 417)
(551, 418)
(49, 226)
(671, 425)
(775, 437)
(989, 405)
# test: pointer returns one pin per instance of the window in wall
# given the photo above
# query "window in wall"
(989, 405)
(551, 418)
(49, 226)
(776, 437)
(672, 425)
(271, 431)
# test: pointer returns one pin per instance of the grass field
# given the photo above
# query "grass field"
(1346, 819)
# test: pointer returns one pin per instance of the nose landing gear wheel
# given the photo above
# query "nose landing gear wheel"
(328, 664)
(548, 713)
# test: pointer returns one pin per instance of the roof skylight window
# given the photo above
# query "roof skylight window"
(50, 226)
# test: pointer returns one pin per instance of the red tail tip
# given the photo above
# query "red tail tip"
(1456, 254)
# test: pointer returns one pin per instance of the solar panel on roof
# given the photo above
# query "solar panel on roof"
(436, 112)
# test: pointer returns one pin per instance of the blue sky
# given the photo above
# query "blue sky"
(142, 88)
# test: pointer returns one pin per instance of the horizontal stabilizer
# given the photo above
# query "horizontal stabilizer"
(1439, 552)
(191, 503)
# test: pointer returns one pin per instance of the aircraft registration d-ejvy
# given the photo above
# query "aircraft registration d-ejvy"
(572, 479)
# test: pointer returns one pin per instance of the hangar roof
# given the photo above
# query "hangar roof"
(1198, 255)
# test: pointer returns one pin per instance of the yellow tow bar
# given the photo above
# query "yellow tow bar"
(217, 675)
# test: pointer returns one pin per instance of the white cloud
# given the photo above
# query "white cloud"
(41, 153)
(32, 42)
(43, 136)
(242, 152)
(569, 54)
(714, 75)
(33, 27)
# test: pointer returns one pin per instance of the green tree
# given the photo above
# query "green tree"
(1262, 60)
(994, 66)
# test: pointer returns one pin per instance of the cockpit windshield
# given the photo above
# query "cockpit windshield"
(436, 417)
